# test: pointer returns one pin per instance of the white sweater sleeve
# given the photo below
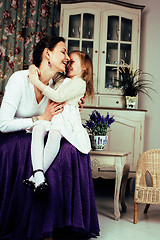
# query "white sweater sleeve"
(11, 100)
(68, 91)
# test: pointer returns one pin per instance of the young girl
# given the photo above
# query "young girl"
(66, 124)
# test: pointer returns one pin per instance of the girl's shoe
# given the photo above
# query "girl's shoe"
(28, 183)
(42, 187)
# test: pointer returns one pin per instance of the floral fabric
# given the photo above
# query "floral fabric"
(22, 24)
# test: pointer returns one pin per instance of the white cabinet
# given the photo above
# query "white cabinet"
(127, 132)
(108, 31)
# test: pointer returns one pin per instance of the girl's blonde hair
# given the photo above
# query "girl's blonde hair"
(87, 75)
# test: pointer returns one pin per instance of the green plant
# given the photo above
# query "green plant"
(133, 82)
(98, 125)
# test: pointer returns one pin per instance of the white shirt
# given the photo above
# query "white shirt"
(19, 103)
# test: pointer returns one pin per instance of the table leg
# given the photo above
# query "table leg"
(123, 187)
(119, 173)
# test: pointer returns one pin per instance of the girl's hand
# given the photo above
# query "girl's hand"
(33, 69)
(51, 110)
(34, 74)
(82, 102)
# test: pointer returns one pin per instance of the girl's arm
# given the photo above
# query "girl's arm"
(73, 89)
(70, 90)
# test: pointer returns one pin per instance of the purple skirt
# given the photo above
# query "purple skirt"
(68, 210)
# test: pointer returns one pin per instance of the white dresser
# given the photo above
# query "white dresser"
(126, 135)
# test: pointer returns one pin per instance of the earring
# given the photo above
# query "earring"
(49, 64)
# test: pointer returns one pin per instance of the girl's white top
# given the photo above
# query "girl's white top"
(68, 122)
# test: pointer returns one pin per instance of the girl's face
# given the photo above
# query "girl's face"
(59, 57)
(74, 68)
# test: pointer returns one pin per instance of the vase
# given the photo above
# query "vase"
(131, 102)
(98, 142)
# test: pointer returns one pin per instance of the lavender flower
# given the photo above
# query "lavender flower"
(98, 124)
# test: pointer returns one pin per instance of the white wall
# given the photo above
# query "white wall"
(150, 62)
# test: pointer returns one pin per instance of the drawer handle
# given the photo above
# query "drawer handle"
(117, 102)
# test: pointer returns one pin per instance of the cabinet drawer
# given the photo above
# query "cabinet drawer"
(111, 101)
(94, 103)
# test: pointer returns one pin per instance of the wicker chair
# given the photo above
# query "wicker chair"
(149, 162)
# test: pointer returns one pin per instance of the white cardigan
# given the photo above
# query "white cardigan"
(71, 91)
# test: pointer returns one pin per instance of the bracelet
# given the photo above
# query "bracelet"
(35, 118)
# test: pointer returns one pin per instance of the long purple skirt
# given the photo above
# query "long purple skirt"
(67, 211)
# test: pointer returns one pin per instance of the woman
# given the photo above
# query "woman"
(69, 207)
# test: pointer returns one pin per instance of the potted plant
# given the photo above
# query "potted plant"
(97, 127)
(133, 82)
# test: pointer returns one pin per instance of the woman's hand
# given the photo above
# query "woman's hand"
(82, 102)
(51, 110)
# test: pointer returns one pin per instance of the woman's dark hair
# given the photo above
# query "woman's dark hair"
(47, 42)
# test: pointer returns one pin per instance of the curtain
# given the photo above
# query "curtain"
(22, 24)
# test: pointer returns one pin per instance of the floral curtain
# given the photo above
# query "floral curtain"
(22, 24)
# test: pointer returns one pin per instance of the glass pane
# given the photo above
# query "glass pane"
(87, 47)
(112, 53)
(125, 53)
(111, 78)
(73, 45)
(113, 28)
(74, 25)
(126, 29)
(88, 26)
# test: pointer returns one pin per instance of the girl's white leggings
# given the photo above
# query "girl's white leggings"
(43, 156)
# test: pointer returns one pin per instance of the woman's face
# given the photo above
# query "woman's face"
(74, 68)
(59, 57)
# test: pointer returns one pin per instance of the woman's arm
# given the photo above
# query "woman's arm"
(11, 100)
(8, 123)
(82, 102)
(10, 103)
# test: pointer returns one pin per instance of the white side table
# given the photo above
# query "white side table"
(118, 160)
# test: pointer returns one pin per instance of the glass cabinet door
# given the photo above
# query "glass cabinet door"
(81, 32)
(74, 26)
(119, 35)
(117, 44)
